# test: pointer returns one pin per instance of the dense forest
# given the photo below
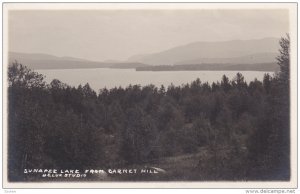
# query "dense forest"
(244, 128)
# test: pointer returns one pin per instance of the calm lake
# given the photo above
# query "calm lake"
(105, 77)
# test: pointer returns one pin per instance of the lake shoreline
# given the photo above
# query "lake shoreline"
(99, 78)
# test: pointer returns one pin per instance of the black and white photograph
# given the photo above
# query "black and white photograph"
(150, 94)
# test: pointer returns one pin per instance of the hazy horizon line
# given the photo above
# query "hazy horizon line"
(138, 54)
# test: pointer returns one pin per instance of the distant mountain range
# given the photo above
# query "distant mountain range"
(45, 61)
(234, 52)
(248, 59)
(254, 55)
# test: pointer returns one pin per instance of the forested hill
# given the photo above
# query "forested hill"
(234, 52)
(45, 61)
(238, 55)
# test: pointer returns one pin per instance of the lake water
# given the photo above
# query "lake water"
(105, 77)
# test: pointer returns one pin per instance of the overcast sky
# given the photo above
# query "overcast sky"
(117, 35)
